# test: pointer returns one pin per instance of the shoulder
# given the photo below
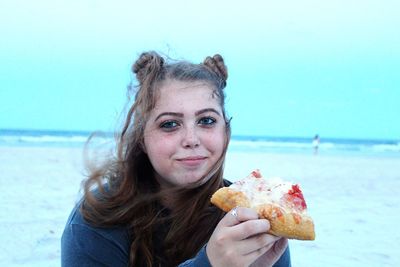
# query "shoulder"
(82, 243)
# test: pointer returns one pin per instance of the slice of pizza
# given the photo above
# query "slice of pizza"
(281, 202)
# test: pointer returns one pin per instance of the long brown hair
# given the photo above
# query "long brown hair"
(127, 192)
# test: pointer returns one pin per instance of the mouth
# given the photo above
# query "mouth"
(192, 161)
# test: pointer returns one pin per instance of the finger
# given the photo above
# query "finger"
(244, 222)
(257, 242)
(272, 251)
(238, 215)
(251, 257)
(247, 229)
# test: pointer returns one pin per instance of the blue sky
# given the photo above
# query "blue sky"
(296, 68)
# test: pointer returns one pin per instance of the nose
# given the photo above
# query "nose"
(190, 138)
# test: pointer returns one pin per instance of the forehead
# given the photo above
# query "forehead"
(176, 94)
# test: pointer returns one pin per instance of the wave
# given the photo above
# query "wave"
(42, 140)
(337, 146)
(48, 138)
(238, 143)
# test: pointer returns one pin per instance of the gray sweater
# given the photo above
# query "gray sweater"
(84, 245)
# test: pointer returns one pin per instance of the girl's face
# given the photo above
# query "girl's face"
(185, 133)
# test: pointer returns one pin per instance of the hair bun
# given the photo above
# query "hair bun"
(217, 65)
(146, 63)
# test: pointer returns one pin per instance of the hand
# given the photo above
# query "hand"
(240, 240)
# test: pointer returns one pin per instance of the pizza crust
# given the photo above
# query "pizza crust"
(286, 224)
(226, 199)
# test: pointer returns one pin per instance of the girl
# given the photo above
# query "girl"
(150, 206)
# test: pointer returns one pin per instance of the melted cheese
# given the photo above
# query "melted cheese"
(261, 191)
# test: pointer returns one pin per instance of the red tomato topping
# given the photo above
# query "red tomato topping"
(296, 197)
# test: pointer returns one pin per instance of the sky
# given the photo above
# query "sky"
(296, 68)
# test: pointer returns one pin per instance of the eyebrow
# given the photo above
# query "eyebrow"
(197, 113)
(207, 110)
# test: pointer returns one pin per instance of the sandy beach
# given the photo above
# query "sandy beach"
(352, 199)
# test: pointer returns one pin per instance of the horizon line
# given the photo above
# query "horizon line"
(232, 136)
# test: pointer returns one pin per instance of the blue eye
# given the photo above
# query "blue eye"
(169, 125)
(207, 121)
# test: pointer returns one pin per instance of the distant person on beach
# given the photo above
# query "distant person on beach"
(315, 144)
(150, 205)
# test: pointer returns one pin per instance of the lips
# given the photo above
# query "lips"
(192, 161)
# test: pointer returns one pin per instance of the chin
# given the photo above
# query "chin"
(200, 180)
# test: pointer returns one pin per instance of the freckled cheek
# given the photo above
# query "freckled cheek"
(160, 147)
(214, 143)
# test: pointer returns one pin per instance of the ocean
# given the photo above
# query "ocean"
(352, 199)
(302, 145)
